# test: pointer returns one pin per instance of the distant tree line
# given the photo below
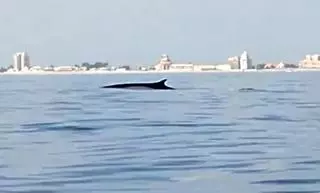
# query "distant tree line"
(260, 66)
(125, 67)
(95, 65)
(2, 69)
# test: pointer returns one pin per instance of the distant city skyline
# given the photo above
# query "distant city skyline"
(136, 32)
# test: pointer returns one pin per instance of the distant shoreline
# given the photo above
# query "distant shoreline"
(158, 72)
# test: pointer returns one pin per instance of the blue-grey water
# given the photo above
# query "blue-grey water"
(63, 134)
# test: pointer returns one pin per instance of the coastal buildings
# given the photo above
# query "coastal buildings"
(166, 64)
(21, 61)
(21, 64)
(234, 62)
(310, 61)
(286, 65)
(242, 62)
(281, 65)
(64, 68)
(270, 66)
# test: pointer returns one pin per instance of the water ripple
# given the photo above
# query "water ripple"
(294, 191)
(273, 118)
(288, 181)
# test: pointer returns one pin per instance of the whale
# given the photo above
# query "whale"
(159, 85)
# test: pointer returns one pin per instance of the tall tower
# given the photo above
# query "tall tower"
(25, 60)
(16, 62)
(245, 61)
(21, 60)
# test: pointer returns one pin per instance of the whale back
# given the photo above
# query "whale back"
(160, 85)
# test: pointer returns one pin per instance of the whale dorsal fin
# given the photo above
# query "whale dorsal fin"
(162, 81)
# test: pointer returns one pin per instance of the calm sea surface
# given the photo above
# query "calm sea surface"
(63, 134)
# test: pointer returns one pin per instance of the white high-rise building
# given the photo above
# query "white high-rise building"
(245, 61)
(21, 61)
(234, 62)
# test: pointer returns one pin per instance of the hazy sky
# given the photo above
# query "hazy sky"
(62, 32)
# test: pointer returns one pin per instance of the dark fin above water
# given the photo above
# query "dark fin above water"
(163, 81)
(160, 85)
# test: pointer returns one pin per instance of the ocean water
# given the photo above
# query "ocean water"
(63, 134)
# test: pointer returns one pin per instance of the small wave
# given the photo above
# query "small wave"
(307, 105)
(273, 118)
(29, 191)
(248, 171)
(70, 91)
(161, 124)
(178, 163)
(263, 138)
(239, 152)
(65, 109)
(62, 103)
(105, 120)
(3, 166)
(288, 181)
(289, 91)
(311, 162)
(180, 157)
(294, 191)
(40, 127)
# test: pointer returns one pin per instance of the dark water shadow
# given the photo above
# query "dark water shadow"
(43, 127)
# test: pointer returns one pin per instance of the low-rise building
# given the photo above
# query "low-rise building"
(223, 67)
(64, 68)
(204, 67)
(310, 61)
(181, 67)
(234, 62)
(36, 69)
(164, 63)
